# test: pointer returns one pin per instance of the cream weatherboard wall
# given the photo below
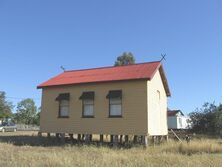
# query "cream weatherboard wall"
(157, 106)
(134, 109)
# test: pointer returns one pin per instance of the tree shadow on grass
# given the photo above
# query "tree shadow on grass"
(26, 140)
(43, 141)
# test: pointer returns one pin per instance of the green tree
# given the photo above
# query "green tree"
(5, 106)
(26, 111)
(36, 120)
(207, 119)
(125, 59)
(218, 119)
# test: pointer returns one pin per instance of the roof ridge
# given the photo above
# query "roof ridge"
(112, 66)
(146, 70)
(174, 110)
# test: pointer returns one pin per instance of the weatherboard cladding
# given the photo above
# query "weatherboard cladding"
(134, 110)
(104, 74)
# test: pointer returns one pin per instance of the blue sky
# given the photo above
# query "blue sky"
(37, 37)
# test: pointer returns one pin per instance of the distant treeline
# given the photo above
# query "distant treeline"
(26, 111)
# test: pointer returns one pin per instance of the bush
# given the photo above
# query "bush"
(207, 119)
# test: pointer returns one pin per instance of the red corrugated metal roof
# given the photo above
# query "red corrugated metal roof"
(104, 74)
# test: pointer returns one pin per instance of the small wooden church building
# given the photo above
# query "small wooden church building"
(117, 101)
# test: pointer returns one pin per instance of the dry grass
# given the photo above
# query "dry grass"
(210, 146)
(25, 149)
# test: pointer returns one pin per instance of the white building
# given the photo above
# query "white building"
(177, 120)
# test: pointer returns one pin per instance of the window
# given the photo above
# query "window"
(63, 100)
(88, 108)
(115, 103)
(115, 107)
(87, 104)
(64, 108)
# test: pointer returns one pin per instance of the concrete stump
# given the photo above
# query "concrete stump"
(167, 138)
(154, 140)
(145, 141)
(83, 137)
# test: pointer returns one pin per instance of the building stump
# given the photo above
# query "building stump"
(111, 138)
(48, 135)
(71, 137)
(62, 135)
(57, 136)
(79, 137)
(87, 138)
(101, 139)
(145, 141)
(167, 138)
(135, 139)
(115, 140)
(40, 134)
(90, 137)
(126, 139)
(121, 139)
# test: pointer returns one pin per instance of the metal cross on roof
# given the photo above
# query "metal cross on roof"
(63, 68)
(163, 57)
